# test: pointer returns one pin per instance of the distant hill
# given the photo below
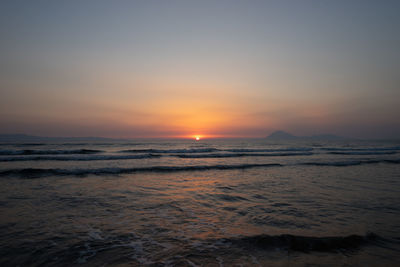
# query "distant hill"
(281, 135)
(32, 138)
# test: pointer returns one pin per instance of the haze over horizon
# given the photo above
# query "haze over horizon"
(275, 135)
(211, 68)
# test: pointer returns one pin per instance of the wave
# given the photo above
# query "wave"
(194, 150)
(37, 172)
(352, 162)
(210, 149)
(293, 149)
(377, 152)
(306, 243)
(236, 155)
(79, 158)
(394, 148)
(48, 152)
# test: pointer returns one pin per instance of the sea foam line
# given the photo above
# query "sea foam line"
(59, 157)
(48, 152)
(210, 149)
(364, 152)
(237, 155)
(38, 172)
(78, 158)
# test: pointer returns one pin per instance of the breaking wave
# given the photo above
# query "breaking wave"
(48, 152)
(194, 150)
(366, 152)
(352, 162)
(37, 172)
(361, 149)
(294, 149)
(79, 158)
(210, 149)
(236, 155)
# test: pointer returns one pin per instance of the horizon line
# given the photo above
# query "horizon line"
(191, 137)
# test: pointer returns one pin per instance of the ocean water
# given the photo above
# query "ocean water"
(200, 203)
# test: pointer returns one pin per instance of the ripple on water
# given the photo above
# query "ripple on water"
(229, 198)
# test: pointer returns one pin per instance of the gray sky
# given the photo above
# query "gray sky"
(210, 68)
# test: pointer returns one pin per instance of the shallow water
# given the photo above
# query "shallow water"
(207, 203)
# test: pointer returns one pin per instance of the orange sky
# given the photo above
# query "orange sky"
(152, 69)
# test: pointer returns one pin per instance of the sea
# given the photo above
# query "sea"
(222, 202)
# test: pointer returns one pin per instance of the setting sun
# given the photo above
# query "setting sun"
(215, 132)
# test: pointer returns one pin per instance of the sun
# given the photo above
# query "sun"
(197, 138)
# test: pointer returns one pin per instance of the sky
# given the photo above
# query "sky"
(208, 68)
